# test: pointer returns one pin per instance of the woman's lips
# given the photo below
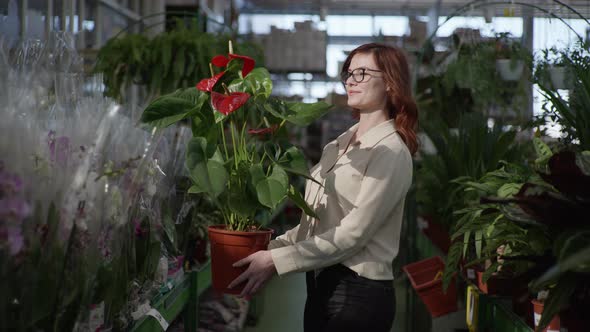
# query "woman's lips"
(351, 92)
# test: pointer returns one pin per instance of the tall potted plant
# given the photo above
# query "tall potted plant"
(238, 155)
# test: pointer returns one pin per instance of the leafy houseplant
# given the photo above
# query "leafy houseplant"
(487, 232)
(231, 113)
(474, 67)
(552, 69)
(471, 151)
(511, 57)
(562, 208)
(572, 113)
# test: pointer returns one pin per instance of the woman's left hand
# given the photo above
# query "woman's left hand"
(260, 270)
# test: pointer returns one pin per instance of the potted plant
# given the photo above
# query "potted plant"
(487, 239)
(237, 156)
(552, 69)
(511, 57)
(425, 277)
(437, 194)
(572, 113)
(558, 205)
(538, 307)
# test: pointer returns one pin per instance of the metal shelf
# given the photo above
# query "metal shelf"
(171, 305)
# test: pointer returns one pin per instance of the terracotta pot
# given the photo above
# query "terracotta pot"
(497, 285)
(228, 247)
(554, 325)
(426, 279)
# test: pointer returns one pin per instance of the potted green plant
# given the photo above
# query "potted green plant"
(484, 233)
(538, 308)
(437, 194)
(477, 67)
(572, 113)
(237, 156)
(511, 57)
(552, 69)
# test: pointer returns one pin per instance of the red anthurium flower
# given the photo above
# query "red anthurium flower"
(227, 104)
(248, 63)
(207, 84)
(219, 61)
(262, 131)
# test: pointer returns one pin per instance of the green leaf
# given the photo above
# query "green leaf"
(194, 189)
(179, 64)
(273, 189)
(478, 242)
(452, 263)
(571, 263)
(241, 204)
(256, 83)
(293, 160)
(256, 174)
(206, 166)
(272, 150)
(301, 114)
(296, 197)
(305, 114)
(509, 190)
(543, 151)
(559, 297)
(173, 107)
(203, 124)
(219, 117)
(156, 79)
(466, 237)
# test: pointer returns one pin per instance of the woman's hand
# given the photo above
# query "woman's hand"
(260, 270)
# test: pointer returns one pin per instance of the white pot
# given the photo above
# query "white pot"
(507, 72)
(559, 79)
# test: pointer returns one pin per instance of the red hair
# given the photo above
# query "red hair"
(396, 75)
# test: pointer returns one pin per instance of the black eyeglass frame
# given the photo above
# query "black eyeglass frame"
(344, 75)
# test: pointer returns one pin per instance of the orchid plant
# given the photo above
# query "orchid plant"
(238, 154)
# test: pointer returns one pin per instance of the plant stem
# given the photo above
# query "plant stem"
(233, 139)
(223, 138)
(243, 140)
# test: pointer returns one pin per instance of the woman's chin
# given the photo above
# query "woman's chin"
(353, 105)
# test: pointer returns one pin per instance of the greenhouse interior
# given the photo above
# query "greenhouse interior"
(295, 166)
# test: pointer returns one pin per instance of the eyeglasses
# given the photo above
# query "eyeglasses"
(358, 75)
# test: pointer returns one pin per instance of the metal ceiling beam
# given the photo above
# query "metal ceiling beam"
(408, 8)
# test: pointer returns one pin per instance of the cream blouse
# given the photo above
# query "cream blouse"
(360, 207)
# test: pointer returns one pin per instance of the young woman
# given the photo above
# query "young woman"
(366, 172)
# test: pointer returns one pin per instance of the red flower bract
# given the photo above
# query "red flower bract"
(207, 84)
(222, 61)
(219, 61)
(227, 104)
(248, 63)
(262, 131)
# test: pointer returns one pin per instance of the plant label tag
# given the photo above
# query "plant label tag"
(156, 314)
(537, 319)
(470, 274)
(141, 311)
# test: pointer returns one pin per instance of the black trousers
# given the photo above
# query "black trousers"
(339, 300)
